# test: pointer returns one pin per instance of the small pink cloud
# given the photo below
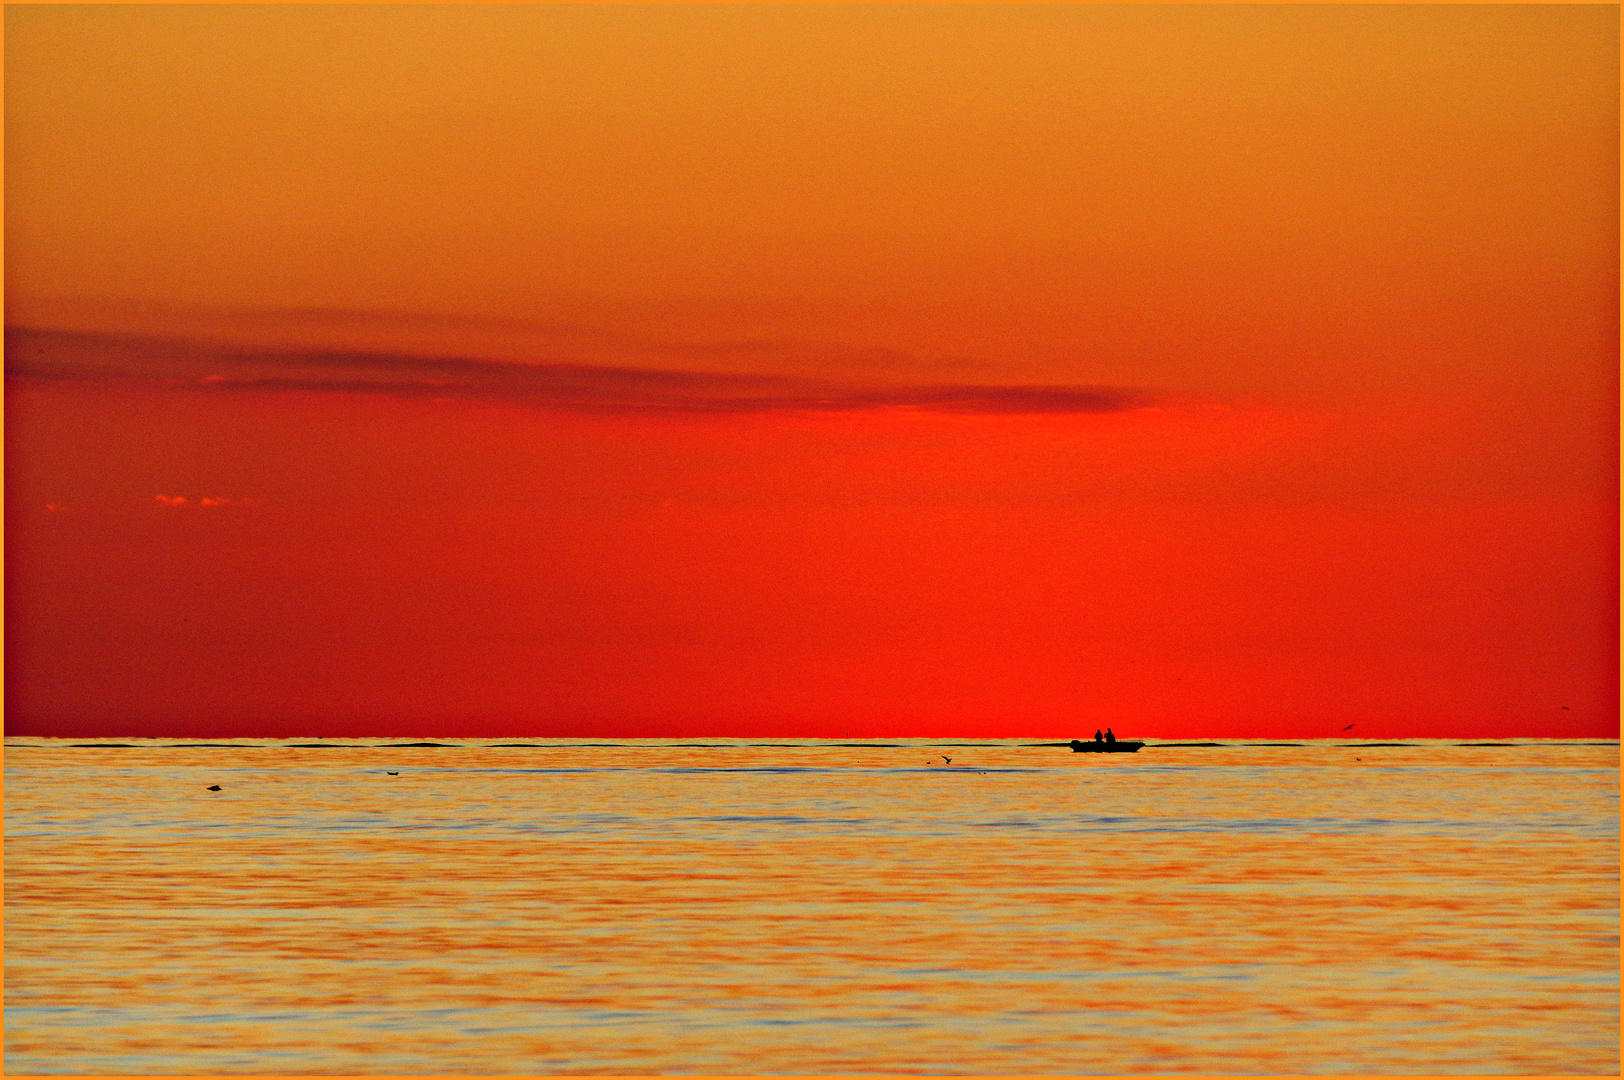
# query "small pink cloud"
(206, 500)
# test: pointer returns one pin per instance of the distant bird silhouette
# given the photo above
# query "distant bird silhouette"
(1565, 707)
(214, 787)
(1348, 728)
(948, 760)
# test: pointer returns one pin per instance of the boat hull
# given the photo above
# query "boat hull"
(1124, 747)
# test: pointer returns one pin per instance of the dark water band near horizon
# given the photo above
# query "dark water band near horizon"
(417, 906)
(726, 743)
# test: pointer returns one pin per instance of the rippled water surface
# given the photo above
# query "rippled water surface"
(734, 907)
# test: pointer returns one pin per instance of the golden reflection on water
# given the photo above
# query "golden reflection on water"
(813, 909)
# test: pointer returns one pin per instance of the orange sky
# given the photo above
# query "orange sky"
(960, 370)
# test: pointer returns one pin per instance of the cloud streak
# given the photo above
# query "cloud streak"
(60, 355)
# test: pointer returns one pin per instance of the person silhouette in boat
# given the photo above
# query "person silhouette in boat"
(1098, 737)
(1110, 737)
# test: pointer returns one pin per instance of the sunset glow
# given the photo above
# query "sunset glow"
(812, 371)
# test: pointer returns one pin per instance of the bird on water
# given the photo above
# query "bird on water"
(214, 787)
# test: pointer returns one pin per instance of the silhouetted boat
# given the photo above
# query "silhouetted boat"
(1118, 747)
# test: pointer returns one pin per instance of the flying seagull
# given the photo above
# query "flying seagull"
(947, 759)
(1348, 728)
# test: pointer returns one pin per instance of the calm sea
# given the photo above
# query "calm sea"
(722, 906)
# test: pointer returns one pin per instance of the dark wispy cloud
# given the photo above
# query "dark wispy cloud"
(81, 356)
